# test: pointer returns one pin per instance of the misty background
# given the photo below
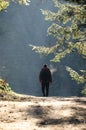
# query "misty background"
(20, 66)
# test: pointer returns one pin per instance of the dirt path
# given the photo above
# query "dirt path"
(37, 113)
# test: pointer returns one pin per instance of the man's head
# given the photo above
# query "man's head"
(45, 65)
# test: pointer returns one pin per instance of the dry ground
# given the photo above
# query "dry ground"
(39, 113)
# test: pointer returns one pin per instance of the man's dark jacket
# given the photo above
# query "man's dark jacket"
(45, 75)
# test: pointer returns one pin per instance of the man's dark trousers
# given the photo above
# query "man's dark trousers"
(45, 88)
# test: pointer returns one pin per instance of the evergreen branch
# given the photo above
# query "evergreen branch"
(61, 55)
(75, 76)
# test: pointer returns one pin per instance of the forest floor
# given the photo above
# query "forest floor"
(21, 112)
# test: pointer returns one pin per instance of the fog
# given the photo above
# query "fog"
(19, 65)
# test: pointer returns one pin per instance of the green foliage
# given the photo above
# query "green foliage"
(79, 78)
(26, 2)
(68, 28)
(44, 50)
(84, 90)
(61, 55)
(5, 3)
(4, 86)
(81, 47)
(75, 76)
(77, 1)
(65, 27)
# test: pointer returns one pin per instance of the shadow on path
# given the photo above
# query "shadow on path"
(43, 113)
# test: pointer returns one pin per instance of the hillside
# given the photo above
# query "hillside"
(24, 112)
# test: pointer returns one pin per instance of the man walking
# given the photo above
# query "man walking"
(45, 78)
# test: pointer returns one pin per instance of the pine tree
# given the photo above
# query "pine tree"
(68, 28)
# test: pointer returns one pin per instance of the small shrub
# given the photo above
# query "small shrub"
(4, 85)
